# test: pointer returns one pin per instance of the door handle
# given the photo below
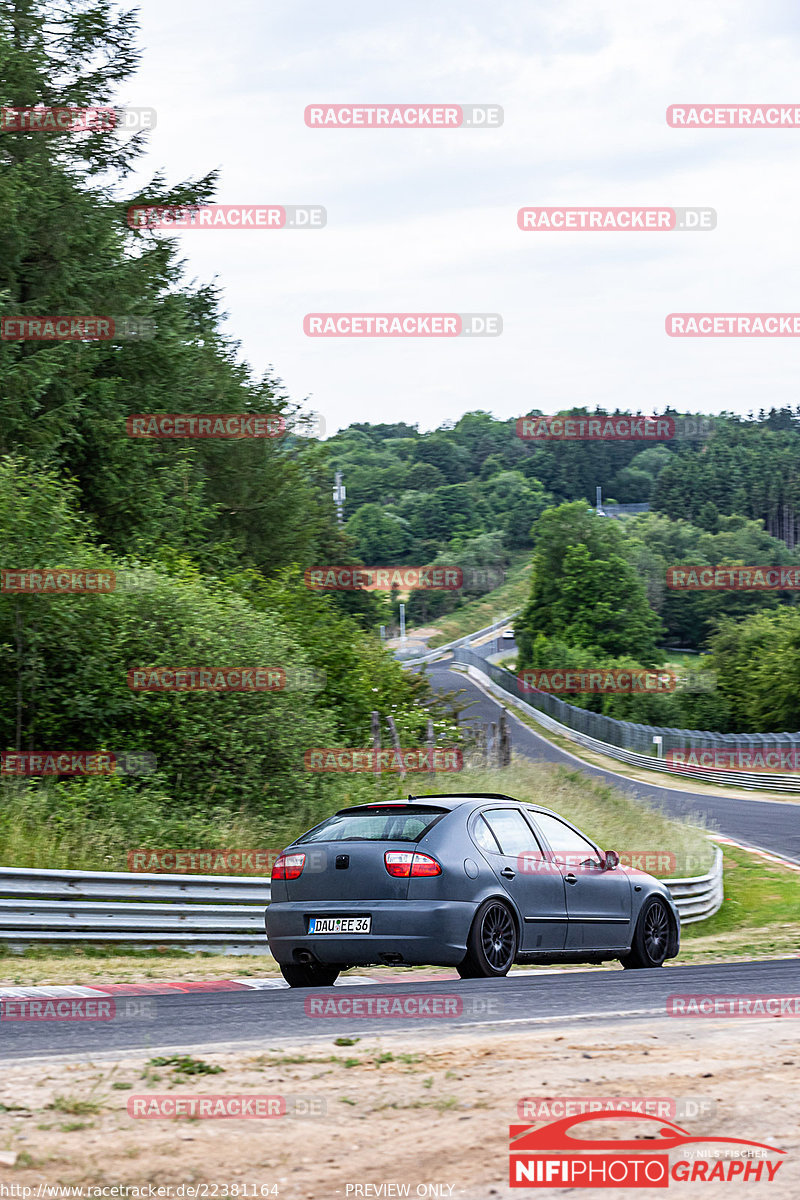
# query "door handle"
(571, 878)
(507, 873)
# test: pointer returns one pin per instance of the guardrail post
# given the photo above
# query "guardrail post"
(430, 741)
(396, 742)
(504, 741)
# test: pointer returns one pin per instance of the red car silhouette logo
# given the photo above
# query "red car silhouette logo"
(553, 1156)
(555, 1136)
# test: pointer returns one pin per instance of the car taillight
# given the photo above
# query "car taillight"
(288, 866)
(402, 863)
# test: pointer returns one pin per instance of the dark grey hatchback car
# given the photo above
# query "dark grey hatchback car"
(477, 882)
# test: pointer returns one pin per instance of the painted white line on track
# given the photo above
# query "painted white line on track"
(263, 985)
(297, 1038)
(48, 993)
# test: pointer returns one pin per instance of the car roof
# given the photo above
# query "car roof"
(470, 799)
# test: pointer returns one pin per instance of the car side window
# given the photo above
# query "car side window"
(565, 842)
(512, 831)
(484, 838)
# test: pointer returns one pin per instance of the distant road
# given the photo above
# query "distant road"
(763, 824)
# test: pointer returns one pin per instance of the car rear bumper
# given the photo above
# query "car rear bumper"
(404, 931)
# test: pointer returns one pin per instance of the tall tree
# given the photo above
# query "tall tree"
(584, 591)
(66, 249)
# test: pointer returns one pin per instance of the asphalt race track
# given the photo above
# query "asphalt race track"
(265, 1018)
(764, 824)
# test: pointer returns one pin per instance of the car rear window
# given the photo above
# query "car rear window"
(389, 824)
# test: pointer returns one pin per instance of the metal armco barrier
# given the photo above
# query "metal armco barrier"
(174, 910)
(197, 912)
(432, 655)
(701, 896)
(573, 722)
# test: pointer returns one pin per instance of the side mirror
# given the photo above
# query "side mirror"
(612, 860)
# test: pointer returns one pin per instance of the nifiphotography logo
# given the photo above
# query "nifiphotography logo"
(552, 1156)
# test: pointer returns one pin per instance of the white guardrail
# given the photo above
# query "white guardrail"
(196, 912)
(750, 780)
(432, 655)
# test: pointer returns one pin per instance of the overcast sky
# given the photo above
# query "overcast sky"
(425, 220)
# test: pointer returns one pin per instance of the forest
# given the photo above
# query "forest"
(219, 532)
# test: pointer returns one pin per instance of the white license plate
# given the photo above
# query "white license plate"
(339, 924)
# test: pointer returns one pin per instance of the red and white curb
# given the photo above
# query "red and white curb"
(158, 987)
(154, 988)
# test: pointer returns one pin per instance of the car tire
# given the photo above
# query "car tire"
(651, 936)
(492, 943)
(309, 974)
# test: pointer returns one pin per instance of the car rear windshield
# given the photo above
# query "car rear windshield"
(389, 824)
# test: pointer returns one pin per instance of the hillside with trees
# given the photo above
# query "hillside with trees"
(599, 597)
(217, 532)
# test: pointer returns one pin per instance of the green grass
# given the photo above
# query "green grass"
(104, 950)
(759, 915)
(74, 1106)
(476, 614)
(184, 1064)
(39, 828)
(43, 824)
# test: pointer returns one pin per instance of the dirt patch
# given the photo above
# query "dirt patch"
(400, 1109)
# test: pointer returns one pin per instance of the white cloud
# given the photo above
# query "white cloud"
(426, 221)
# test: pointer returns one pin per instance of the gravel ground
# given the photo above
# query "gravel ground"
(398, 1110)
